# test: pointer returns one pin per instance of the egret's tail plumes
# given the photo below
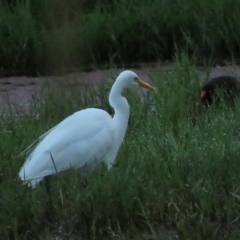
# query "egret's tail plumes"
(32, 183)
(33, 145)
(30, 150)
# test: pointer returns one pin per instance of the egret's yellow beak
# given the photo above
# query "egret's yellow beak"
(145, 85)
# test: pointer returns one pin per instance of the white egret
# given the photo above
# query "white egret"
(84, 139)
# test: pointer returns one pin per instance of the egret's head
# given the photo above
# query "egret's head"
(129, 78)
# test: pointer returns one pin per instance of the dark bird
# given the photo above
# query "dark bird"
(226, 86)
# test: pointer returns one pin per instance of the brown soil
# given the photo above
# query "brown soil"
(19, 91)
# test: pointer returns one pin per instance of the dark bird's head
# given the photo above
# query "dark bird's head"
(225, 86)
(207, 95)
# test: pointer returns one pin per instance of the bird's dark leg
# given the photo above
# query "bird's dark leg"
(49, 209)
(47, 186)
(47, 182)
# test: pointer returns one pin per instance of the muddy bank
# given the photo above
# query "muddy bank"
(18, 92)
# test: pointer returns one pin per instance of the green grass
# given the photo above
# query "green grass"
(173, 177)
(56, 36)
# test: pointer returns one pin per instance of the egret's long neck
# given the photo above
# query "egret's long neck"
(121, 108)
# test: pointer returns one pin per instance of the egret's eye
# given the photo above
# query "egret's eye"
(136, 79)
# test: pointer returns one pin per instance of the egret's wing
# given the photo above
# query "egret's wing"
(81, 139)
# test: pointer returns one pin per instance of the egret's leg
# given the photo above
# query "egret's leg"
(47, 186)
(48, 213)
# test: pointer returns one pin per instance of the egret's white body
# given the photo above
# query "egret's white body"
(84, 139)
